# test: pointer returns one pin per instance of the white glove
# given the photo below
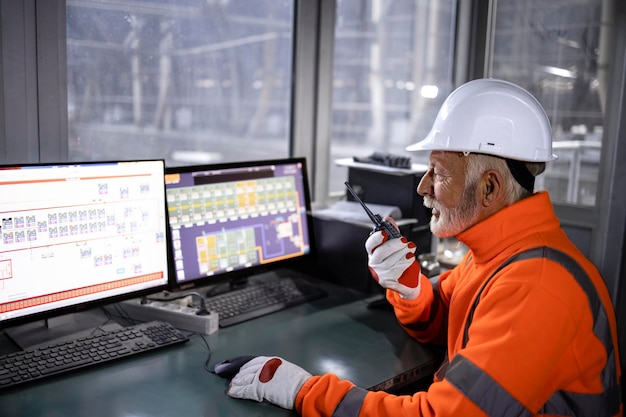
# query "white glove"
(269, 378)
(393, 265)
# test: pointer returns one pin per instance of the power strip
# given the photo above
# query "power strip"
(181, 317)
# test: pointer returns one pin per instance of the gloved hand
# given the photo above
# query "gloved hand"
(269, 378)
(392, 263)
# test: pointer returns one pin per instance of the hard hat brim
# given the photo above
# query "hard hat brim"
(422, 145)
(428, 144)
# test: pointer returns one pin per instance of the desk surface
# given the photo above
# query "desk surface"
(338, 334)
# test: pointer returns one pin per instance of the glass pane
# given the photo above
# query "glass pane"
(553, 49)
(190, 81)
(393, 67)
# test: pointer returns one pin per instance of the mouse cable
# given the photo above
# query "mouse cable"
(209, 354)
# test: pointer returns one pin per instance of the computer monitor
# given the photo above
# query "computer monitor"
(231, 221)
(73, 235)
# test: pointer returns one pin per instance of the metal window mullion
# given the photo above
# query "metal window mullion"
(20, 130)
(52, 80)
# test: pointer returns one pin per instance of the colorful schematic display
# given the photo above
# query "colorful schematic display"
(227, 219)
(76, 233)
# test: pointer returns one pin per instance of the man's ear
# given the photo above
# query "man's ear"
(491, 188)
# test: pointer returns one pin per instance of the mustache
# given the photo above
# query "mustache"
(430, 202)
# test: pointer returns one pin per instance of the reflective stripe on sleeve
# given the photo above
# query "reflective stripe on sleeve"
(483, 390)
(350, 405)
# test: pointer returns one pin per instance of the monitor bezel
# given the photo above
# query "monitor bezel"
(238, 275)
(83, 306)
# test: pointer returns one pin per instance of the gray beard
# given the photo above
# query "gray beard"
(453, 221)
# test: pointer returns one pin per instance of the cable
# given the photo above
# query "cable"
(123, 314)
(99, 327)
(209, 354)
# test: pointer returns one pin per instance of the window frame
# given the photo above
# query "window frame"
(33, 105)
(598, 230)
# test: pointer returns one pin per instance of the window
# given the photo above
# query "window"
(393, 67)
(190, 81)
(553, 49)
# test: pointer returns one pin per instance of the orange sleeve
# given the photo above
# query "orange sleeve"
(441, 399)
(320, 395)
(425, 317)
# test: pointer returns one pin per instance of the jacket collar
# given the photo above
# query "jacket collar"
(512, 224)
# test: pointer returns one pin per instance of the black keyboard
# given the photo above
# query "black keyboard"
(259, 299)
(42, 362)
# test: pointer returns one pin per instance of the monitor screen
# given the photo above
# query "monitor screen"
(232, 220)
(77, 234)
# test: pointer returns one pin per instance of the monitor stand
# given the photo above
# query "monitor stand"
(223, 288)
(60, 328)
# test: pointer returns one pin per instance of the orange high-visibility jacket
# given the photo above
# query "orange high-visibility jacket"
(542, 340)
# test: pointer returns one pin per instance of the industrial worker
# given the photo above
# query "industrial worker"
(528, 332)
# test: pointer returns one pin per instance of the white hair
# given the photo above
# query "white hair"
(478, 164)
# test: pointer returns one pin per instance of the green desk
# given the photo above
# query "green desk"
(338, 333)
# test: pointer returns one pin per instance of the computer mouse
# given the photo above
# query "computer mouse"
(228, 368)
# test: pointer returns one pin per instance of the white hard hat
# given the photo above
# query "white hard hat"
(493, 117)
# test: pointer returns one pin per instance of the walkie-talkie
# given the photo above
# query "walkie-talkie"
(379, 223)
